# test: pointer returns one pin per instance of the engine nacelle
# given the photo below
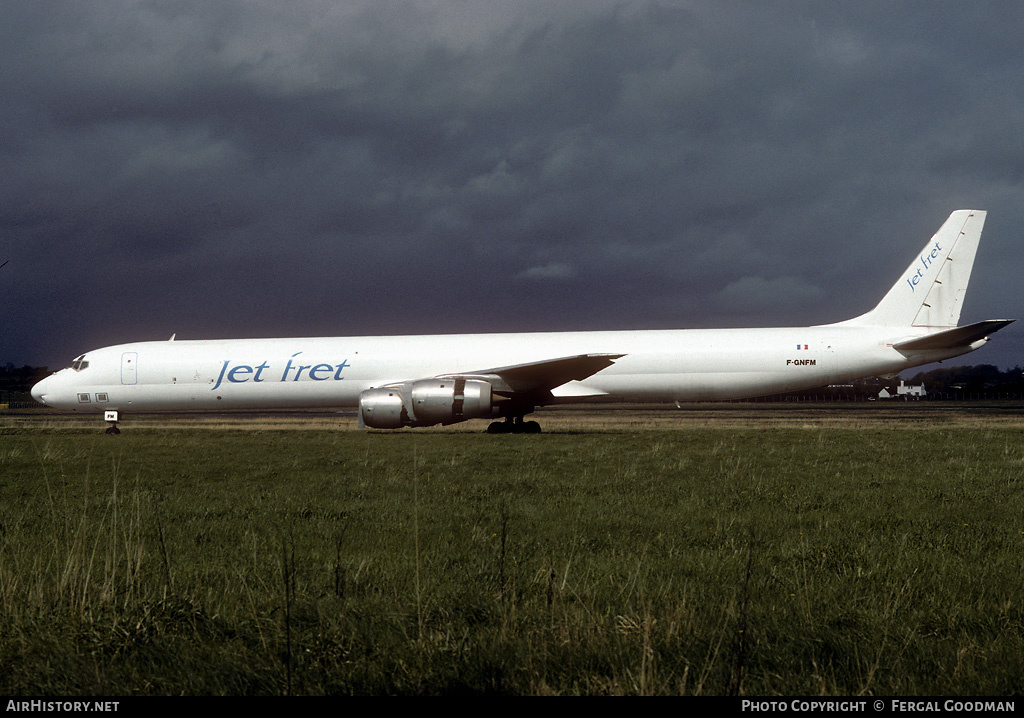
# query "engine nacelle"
(382, 409)
(425, 403)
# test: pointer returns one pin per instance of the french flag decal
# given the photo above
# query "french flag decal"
(801, 346)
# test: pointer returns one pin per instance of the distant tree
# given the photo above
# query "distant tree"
(14, 380)
(978, 379)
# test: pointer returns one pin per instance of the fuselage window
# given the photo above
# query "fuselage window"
(83, 398)
(101, 398)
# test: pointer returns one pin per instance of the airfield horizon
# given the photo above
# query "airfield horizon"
(570, 417)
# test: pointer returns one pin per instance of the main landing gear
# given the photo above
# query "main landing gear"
(513, 425)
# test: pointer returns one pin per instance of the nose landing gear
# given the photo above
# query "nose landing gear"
(111, 417)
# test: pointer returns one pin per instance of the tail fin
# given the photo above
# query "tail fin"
(931, 291)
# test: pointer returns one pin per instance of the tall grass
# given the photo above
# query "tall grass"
(753, 561)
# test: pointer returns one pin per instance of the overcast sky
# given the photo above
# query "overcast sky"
(309, 168)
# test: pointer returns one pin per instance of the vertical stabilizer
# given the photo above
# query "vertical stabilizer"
(931, 291)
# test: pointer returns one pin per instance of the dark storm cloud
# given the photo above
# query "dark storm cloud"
(262, 168)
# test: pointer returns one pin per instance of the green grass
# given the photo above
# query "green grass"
(872, 559)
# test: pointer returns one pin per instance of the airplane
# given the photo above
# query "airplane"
(415, 381)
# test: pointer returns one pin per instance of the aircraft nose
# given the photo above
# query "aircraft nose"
(39, 391)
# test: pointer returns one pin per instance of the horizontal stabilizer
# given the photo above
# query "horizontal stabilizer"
(953, 338)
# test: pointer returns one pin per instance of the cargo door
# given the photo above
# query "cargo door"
(831, 359)
(129, 373)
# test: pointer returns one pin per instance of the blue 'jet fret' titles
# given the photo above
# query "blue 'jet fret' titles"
(926, 261)
(293, 371)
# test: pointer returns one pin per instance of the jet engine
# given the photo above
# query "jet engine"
(425, 402)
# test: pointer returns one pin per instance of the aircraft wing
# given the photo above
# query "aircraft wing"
(956, 337)
(541, 376)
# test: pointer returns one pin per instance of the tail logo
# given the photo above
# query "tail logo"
(927, 259)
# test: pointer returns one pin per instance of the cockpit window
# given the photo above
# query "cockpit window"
(80, 363)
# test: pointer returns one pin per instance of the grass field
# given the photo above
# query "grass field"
(732, 549)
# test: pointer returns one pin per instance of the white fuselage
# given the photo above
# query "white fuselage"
(656, 366)
(426, 380)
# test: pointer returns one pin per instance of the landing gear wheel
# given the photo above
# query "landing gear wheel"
(112, 416)
(513, 425)
(499, 427)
